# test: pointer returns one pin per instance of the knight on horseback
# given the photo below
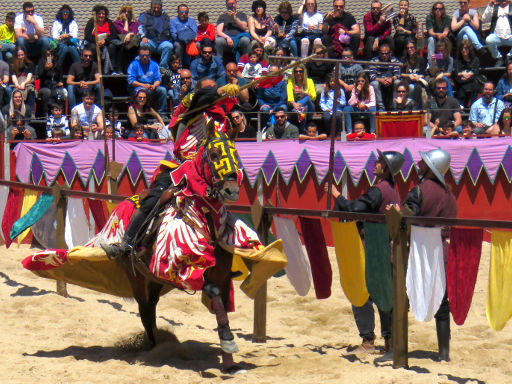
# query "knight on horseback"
(187, 132)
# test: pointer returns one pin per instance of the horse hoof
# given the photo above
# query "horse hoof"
(228, 346)
(235, 370)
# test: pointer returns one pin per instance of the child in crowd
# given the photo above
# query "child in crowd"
(327, 104)
(139, 134)
(360, 132)
(7, 37)
(113, 121)
(446, 131)
(252, 69)
(467, 129)
(205, 30)
(78, 133)
(312, 133)
(109, 132)
(57, 122)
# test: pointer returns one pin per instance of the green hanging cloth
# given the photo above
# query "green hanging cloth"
(34, 214)
(379, 275)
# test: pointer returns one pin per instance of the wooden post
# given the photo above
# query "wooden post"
(262, 222)
(398, 233)
(61, 203)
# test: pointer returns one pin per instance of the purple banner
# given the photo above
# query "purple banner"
(84, 159)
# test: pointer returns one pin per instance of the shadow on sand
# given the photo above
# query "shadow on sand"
(189, 355)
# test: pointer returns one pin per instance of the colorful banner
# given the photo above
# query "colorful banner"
(33, 215)
(499, 299)
(84, 159)
(462, 269)
(297, 270)
(314, 241)
(350, 255)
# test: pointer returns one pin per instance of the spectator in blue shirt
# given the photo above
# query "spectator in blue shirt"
(183, 31)
(207, 65)
(144, 73)
(271, 95)
(486, 111)
(327, 104)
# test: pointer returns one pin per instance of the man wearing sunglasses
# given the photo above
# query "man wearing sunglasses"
(282, 128)
(376, 30)
(29, 29)
(82, 77)
(183, 31)
(144, 73)
(443, 108)
(500, 33)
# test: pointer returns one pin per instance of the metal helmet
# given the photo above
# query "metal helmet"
(393, 159)
(438, 160)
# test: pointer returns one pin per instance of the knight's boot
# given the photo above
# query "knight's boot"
(443, 339)
(117, 250)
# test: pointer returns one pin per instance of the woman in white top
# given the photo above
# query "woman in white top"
(311, 22)
(65, 32)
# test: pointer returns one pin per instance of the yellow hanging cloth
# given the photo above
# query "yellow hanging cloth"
(351, 261)
(499, 293)
(29, 199)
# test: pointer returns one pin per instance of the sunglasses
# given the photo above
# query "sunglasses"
(300, 71)
(86, 55)
(29, 11)
(280, 116)
(385, 53)
(507, 118)
(207, 52)
(438, 9)
(361, 81)
(442, 88)
(401, 91)
(144, 54)
(375, 8)
(183, 12)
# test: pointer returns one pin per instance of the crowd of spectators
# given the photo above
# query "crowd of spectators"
(164, 58)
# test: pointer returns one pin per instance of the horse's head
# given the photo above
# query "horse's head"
(221, 159)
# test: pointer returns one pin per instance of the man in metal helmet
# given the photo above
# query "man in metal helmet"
(374, 200)
(432, 198)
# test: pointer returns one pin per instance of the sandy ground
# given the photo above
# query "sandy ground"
(96, 338)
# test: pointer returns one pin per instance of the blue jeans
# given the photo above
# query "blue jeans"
(164, 49)
(308, 106)
(348, 110)
(493, 42)
(34, 48)
(290, 43)
(326, 117)
(66, 49)
(469, 33)
(7, 51)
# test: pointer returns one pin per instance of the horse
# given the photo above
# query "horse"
(202, 187)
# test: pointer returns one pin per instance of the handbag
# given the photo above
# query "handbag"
(191, 49)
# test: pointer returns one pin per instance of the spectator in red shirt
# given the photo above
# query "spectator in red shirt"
(376, 30)
(360, 132)
(205, 30)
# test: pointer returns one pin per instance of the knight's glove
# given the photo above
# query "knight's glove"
(231, 90)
